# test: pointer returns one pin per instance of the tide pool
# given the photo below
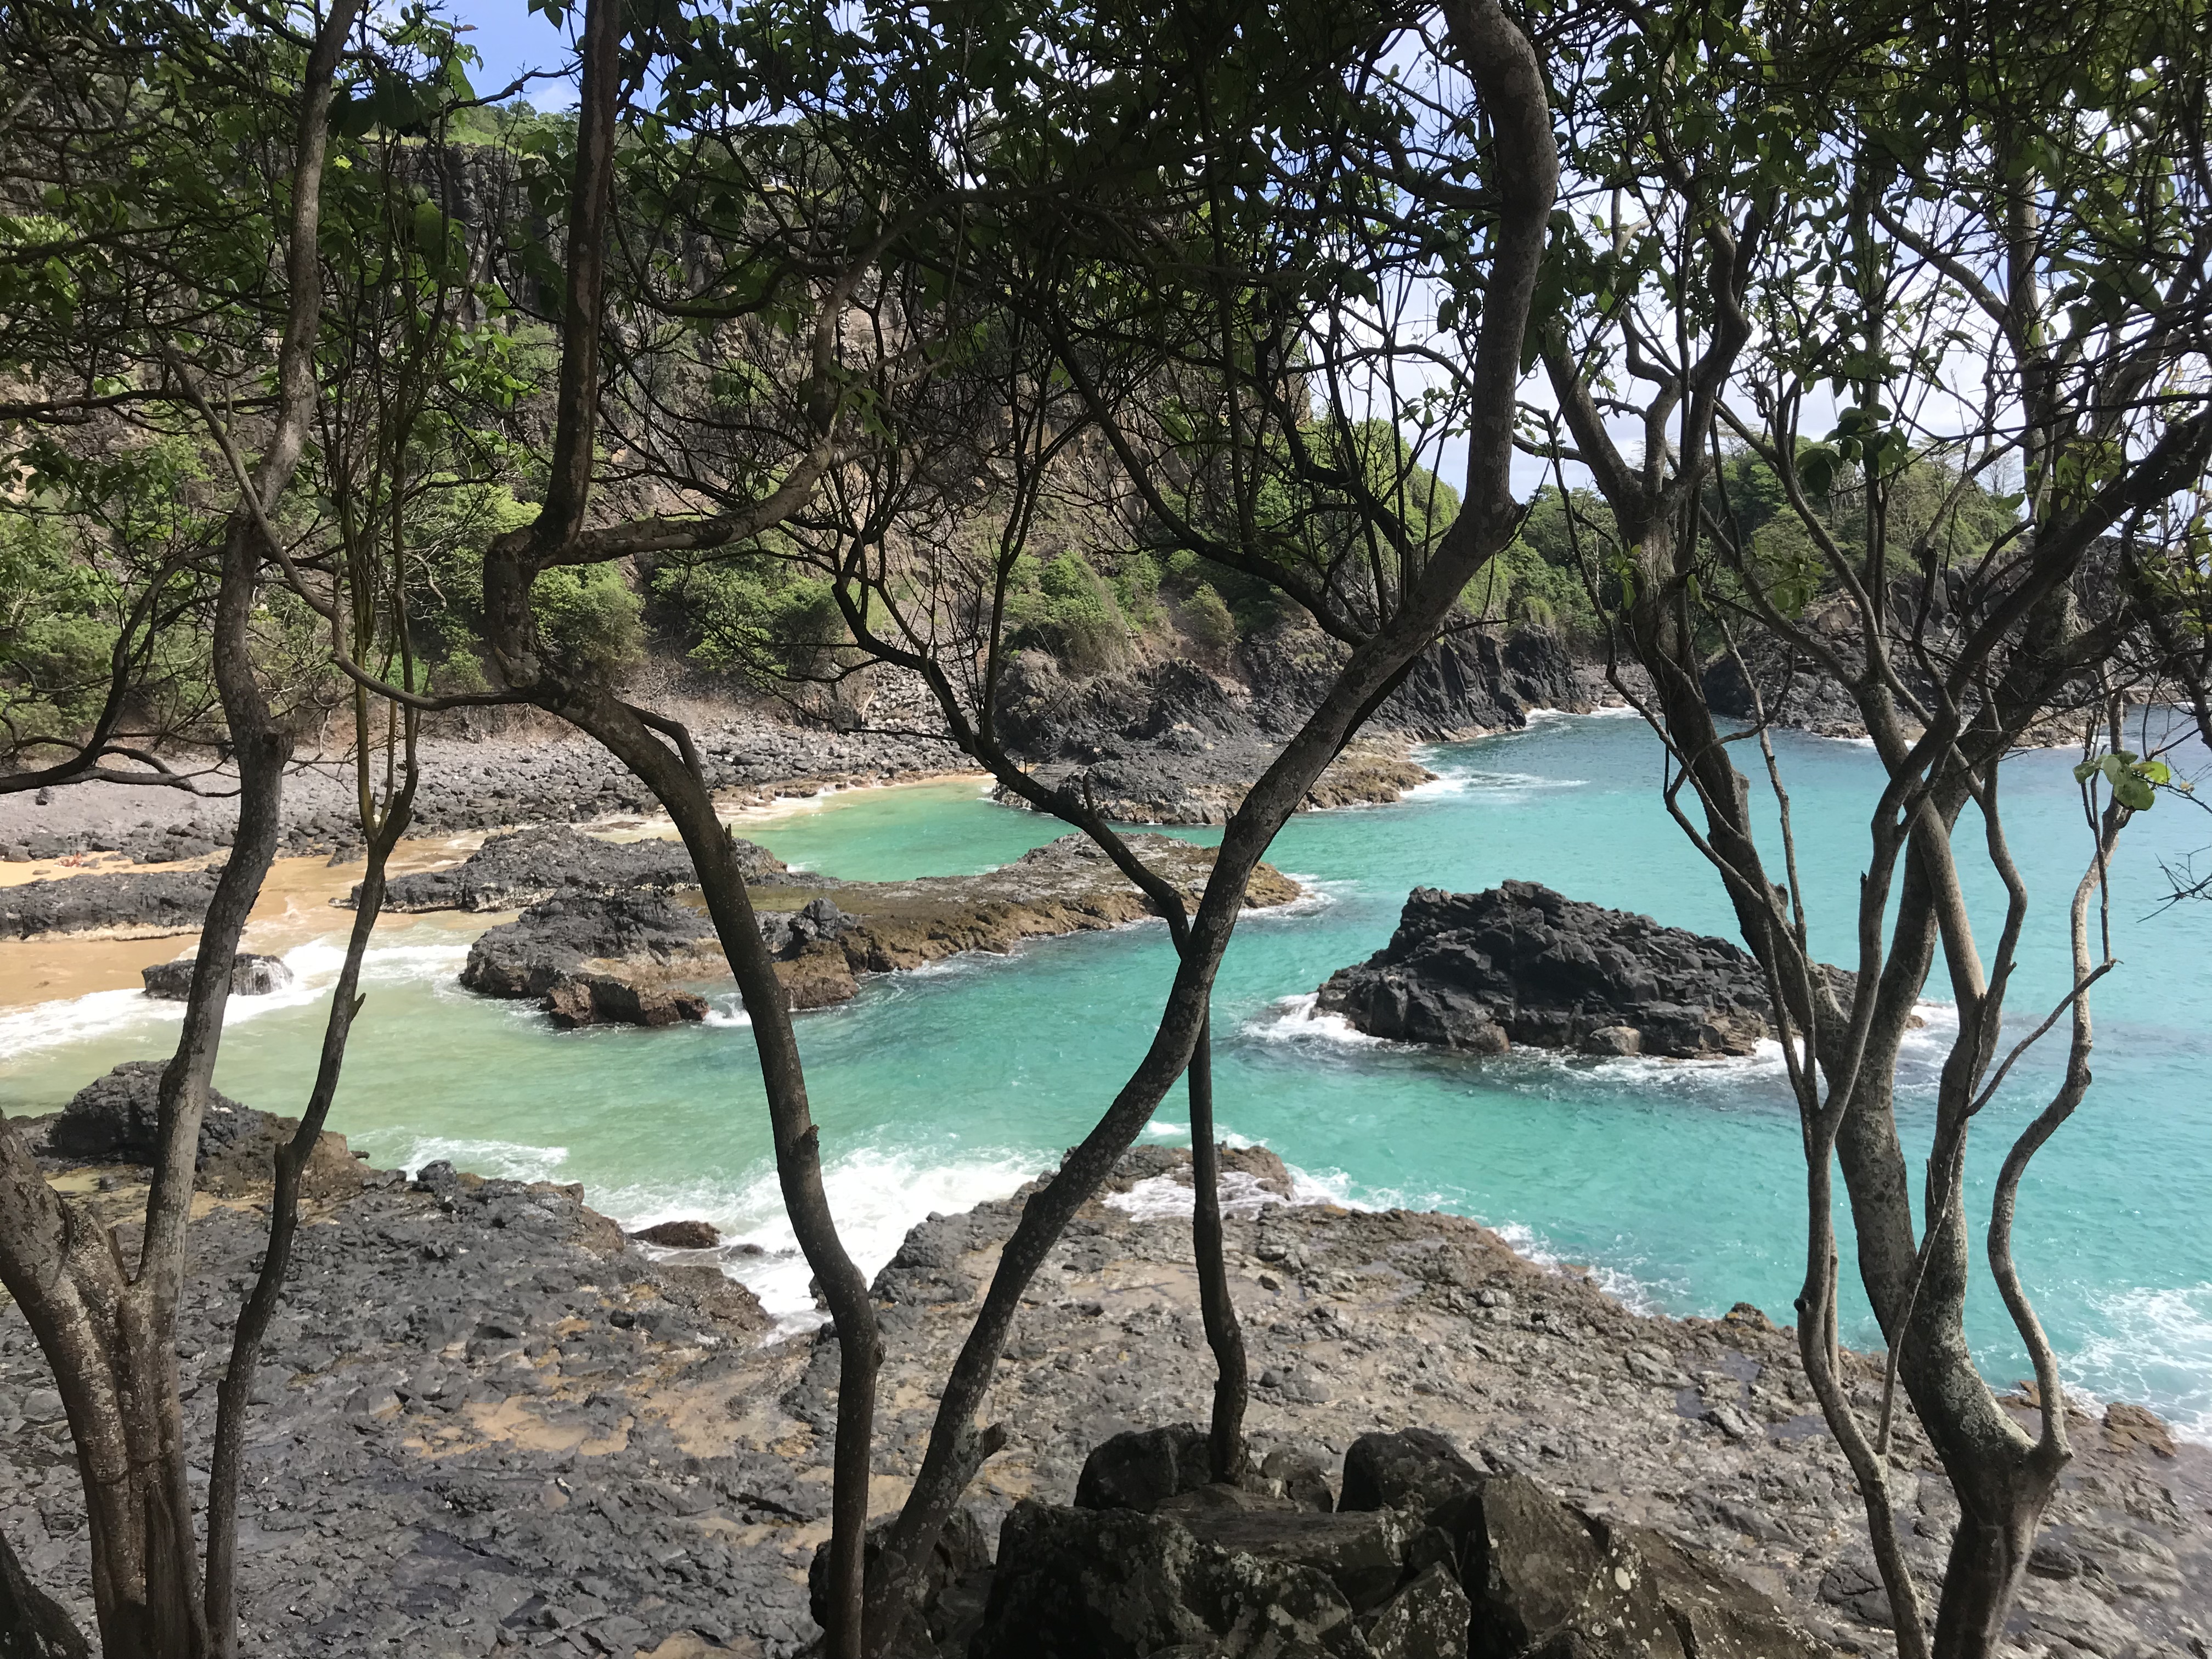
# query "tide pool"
(1681, 1185)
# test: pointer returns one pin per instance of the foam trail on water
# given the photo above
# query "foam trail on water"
(315, 966)
(1163, 1197)
(1319, 895)
(2153, 1347)
(497, 1160)
(877, 1195)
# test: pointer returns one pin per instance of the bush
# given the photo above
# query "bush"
(588, 615)
(1137, 586)
(757, 615)
(1066, 608)
(1206, 616)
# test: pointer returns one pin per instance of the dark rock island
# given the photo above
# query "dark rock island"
(1521, 963)
(600, 956)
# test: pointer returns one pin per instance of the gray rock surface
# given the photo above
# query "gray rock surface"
(1521, 963)
(251, 975)
(156, 902)
(486, 1425)
(33, 1625)
(523, 867)
(552, 940)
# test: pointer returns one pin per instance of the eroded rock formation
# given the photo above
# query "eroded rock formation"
(1521, 963)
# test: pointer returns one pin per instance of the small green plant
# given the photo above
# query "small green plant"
(2135, 783)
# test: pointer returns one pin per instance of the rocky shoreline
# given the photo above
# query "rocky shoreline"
(489, 781)
(1165, 742)
(487, 1421)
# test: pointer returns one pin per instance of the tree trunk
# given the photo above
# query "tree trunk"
(32, 1623)
(1231, 1381)
(676, 781)
(1989, 1557)
(234, 1394)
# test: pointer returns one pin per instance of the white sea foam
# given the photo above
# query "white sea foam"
(498, 1160)
(2153, 1346)
(875, 1196)
(1500, 789)
(1319, 895)
(1293, 1019)
(1162, 1197)
(1624, 1288)
(315, 965)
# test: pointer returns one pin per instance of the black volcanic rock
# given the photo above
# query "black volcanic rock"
(251, 975)
(528, 866)
(1519, 963)
(551, 941)
(118, 1117)
(162, 901)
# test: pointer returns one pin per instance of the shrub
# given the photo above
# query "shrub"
(1206, 616)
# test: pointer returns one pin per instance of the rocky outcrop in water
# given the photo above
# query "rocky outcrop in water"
(251, 975)
(117, 906)
(825, 940)
(116, 1119)
(604, 959)
(1519, 963)
(528, 866)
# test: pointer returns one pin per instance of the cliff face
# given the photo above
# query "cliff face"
(1169, 742)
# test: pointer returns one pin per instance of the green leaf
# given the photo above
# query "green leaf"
(2131, 791)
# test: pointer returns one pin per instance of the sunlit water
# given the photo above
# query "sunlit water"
(1681, 1185)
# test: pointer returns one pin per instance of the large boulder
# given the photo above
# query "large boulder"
(1082, 1584)
(1440, 1561)
(1521, 963)
(579, 1000)
(1142, 1468)
(1362, 1553)
(1719, 1615)
(251, 975)
(528, 866)
(1429, 1619)
(943, 1595)
(1414, 1469)
(119, 1117)
(136, 906)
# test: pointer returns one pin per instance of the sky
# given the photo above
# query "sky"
(512, 39)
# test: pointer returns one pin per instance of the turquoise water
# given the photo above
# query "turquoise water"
(1681, 1185)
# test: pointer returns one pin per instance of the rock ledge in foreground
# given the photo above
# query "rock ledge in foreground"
(1521, 963)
